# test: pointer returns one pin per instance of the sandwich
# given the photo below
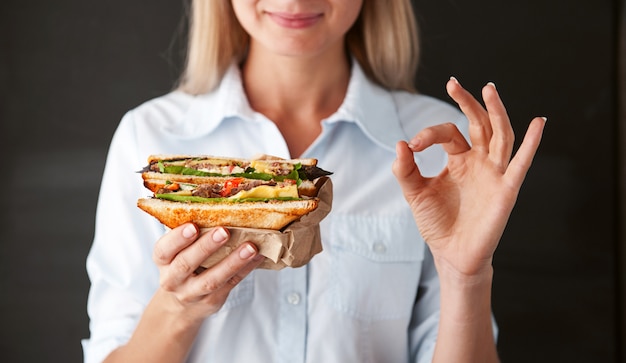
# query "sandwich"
(263, 192)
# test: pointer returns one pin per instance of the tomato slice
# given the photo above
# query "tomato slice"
(229, 185)
(173, 187)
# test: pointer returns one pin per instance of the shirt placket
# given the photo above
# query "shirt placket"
(292, 329)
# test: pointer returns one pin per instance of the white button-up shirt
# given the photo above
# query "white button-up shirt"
(372, 294)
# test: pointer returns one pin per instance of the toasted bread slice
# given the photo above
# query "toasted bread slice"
(272, 214)
(170, 157)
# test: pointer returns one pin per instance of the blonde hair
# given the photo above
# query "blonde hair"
(383, 40)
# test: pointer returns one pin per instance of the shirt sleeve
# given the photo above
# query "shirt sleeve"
(425, 320)
(122, 274)
(424, 324)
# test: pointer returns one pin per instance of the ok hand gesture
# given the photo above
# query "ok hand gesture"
(463, 211)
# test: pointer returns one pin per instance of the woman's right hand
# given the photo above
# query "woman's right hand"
(169, 325)
(179, 253)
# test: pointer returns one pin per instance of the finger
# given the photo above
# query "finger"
(168, 246)
(405, 169)
(216, 277)
(239, 276)
(501, 144)
(219, 296)
(479, 126)
(517, 169)
(448, 135)
(188, 260)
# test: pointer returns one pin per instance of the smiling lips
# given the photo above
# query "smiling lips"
(295, 21)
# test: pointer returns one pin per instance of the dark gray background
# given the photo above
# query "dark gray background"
(69, 69)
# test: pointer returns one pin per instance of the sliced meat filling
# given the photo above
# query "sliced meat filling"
(228, 189)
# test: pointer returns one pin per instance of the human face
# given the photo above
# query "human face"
(297, 28)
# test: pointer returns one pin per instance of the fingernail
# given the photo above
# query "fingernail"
(545, 119)
(220, 235)
(413, 144)
(247, 252)
(492, 84)
(189, 231)
(453, 78)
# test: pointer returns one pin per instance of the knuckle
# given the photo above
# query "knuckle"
(511, 135)
(158, 255)
(233, 265)
(507, 137)
(204, 247)
(209, 286)
(450, 125)
(235, 280)
(182, 266)
(167, 284)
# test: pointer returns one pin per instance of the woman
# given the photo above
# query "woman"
(330, 80)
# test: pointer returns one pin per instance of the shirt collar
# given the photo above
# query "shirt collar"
(366, 104)
(233, 101)
(372, 108)
(207, 111)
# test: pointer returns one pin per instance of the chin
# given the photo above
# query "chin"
(300, 48)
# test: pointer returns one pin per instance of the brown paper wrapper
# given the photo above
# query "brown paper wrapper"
(293, 246)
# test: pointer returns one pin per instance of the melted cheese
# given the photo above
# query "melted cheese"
(266, 191)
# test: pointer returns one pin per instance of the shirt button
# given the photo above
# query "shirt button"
(293, 298)
(379, 247)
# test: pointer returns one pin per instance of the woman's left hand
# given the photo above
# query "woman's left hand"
(462, 212)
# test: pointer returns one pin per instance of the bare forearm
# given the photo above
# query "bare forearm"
(161, 336)
(465, 328)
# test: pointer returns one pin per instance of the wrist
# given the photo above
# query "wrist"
(164, 333)
(471, 277)
(465, 297)
(169, 308)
